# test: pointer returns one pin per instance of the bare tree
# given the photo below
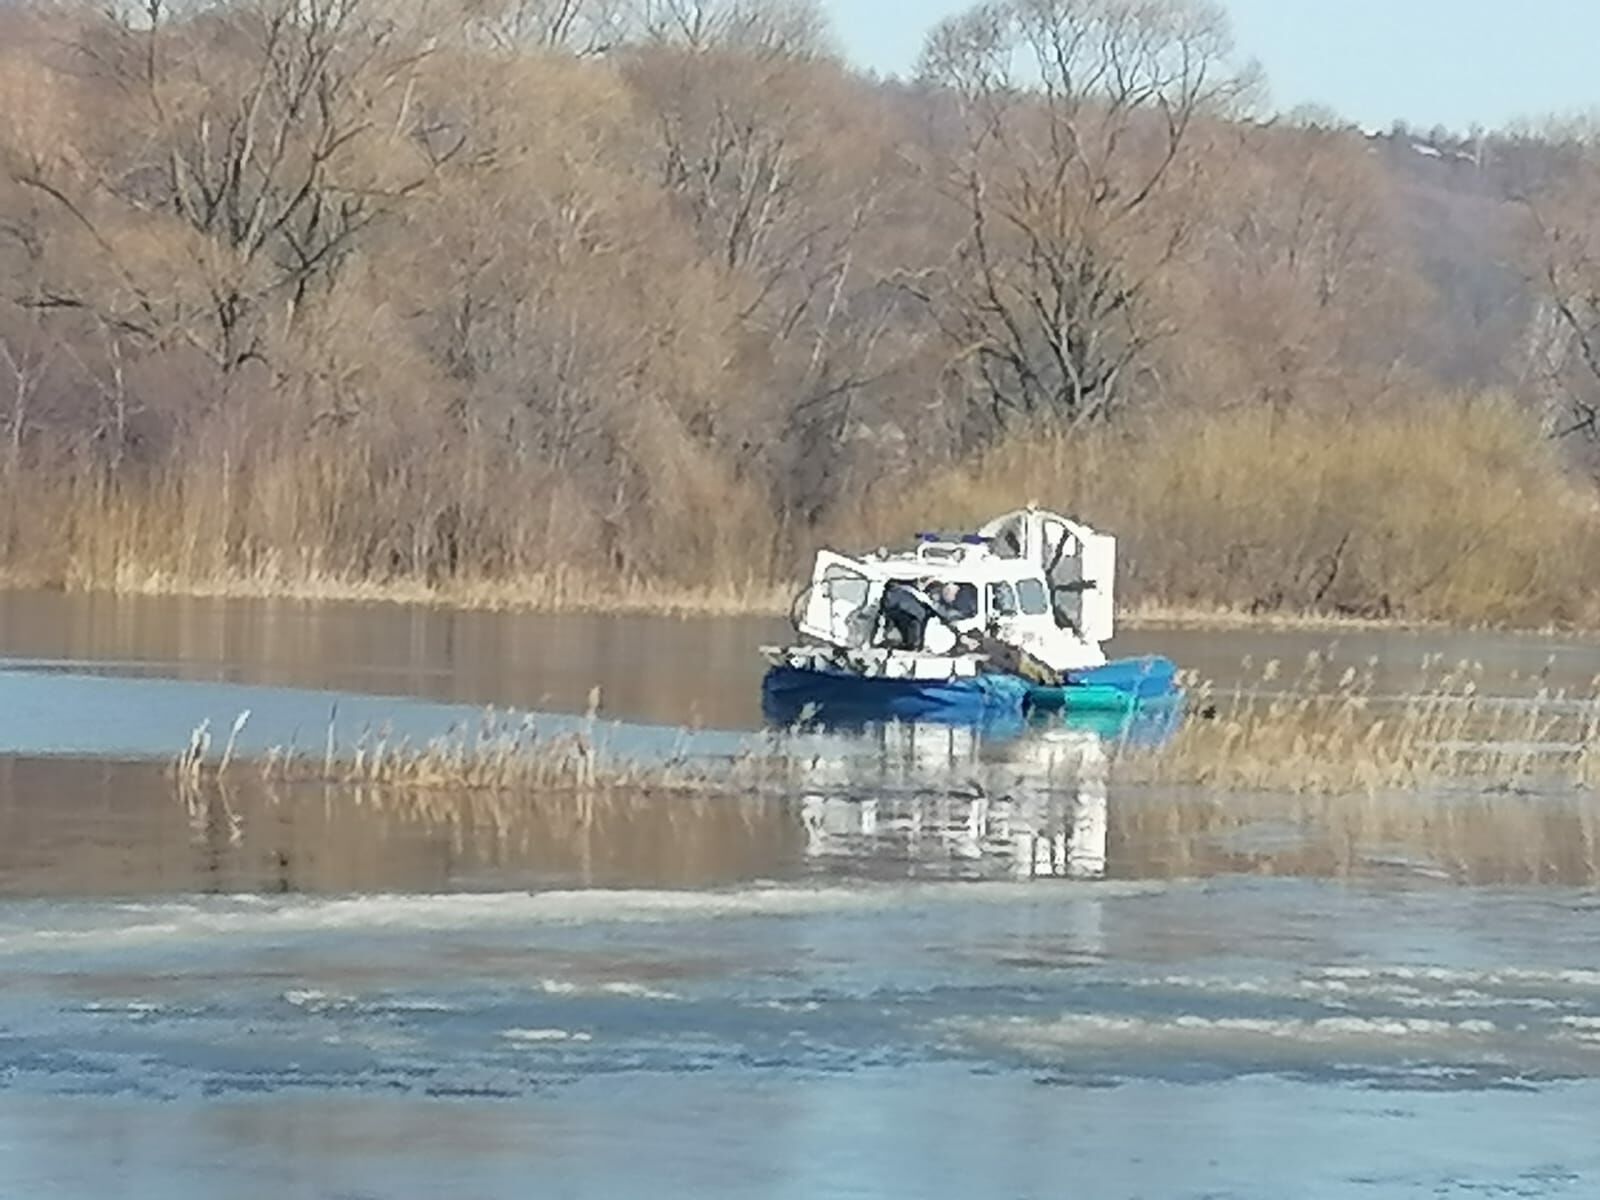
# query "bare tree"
(23, 362)
(257, 140)
(1298, 289)
(782, 28)
(579, 27)
(1563, 254)
(1076, 122)
(747, 109)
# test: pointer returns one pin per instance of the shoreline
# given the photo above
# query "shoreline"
(552, 595)
(571, 594)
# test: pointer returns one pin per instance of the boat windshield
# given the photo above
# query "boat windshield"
(1002, 600)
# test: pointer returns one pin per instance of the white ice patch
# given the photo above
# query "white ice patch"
(314, 1000)
(790, 1006)
(1568, 977)
(613, 987)
(1585, 1029)
(544, 1035)
(1045, 1037)
(234, 920)
(124, 1008)
(1344, 989)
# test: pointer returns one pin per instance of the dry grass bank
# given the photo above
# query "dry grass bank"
(294, 525)
(1444, 512)
(556, 592)
(1451, 512)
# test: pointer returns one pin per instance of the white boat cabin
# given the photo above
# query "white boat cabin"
(1031, 579)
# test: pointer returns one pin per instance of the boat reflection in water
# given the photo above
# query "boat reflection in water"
(1020, 800)
(1026, 832)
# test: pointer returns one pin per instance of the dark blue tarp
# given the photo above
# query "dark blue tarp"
(787, 692)
(838, 697)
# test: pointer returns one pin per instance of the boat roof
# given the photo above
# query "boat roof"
(964, 561)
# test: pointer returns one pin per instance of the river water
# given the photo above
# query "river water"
(908, 974)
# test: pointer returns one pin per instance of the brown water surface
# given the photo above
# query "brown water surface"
(82, 825)
(668, 670)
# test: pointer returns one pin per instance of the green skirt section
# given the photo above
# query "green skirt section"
(1120, 686)
(1082, 698)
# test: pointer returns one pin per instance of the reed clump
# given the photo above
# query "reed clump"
(1321, 729)
(1312, 734)
(501, 753)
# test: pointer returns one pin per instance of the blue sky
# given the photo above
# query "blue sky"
(1450, 62)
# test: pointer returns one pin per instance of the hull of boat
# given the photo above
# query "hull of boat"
(1116, 687)
(790, 693)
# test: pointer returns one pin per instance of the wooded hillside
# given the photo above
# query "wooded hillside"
(661, 292)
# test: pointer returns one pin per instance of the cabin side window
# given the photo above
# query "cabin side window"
(1031, 595)
(845, 587)
(956, 601)
(962, 600)
(1002, 600)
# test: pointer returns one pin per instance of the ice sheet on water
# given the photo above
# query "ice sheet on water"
(1104, 1028)
(1472, 1051)
(77, 927)
(1569, 977)
(1419, 989)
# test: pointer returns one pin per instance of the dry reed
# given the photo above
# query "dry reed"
(499, 754)
(1302, 734)
(1224, 518)
(1425, 512)
(1307, 735)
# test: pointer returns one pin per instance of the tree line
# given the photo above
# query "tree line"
(664, 291)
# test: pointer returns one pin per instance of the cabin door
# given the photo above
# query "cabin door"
(841, 605)
(1081, 572)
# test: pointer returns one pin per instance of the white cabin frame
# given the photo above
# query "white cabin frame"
(1032, 579)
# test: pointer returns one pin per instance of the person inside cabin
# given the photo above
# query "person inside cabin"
(905, 618)
(939, 635)
(960, 600)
